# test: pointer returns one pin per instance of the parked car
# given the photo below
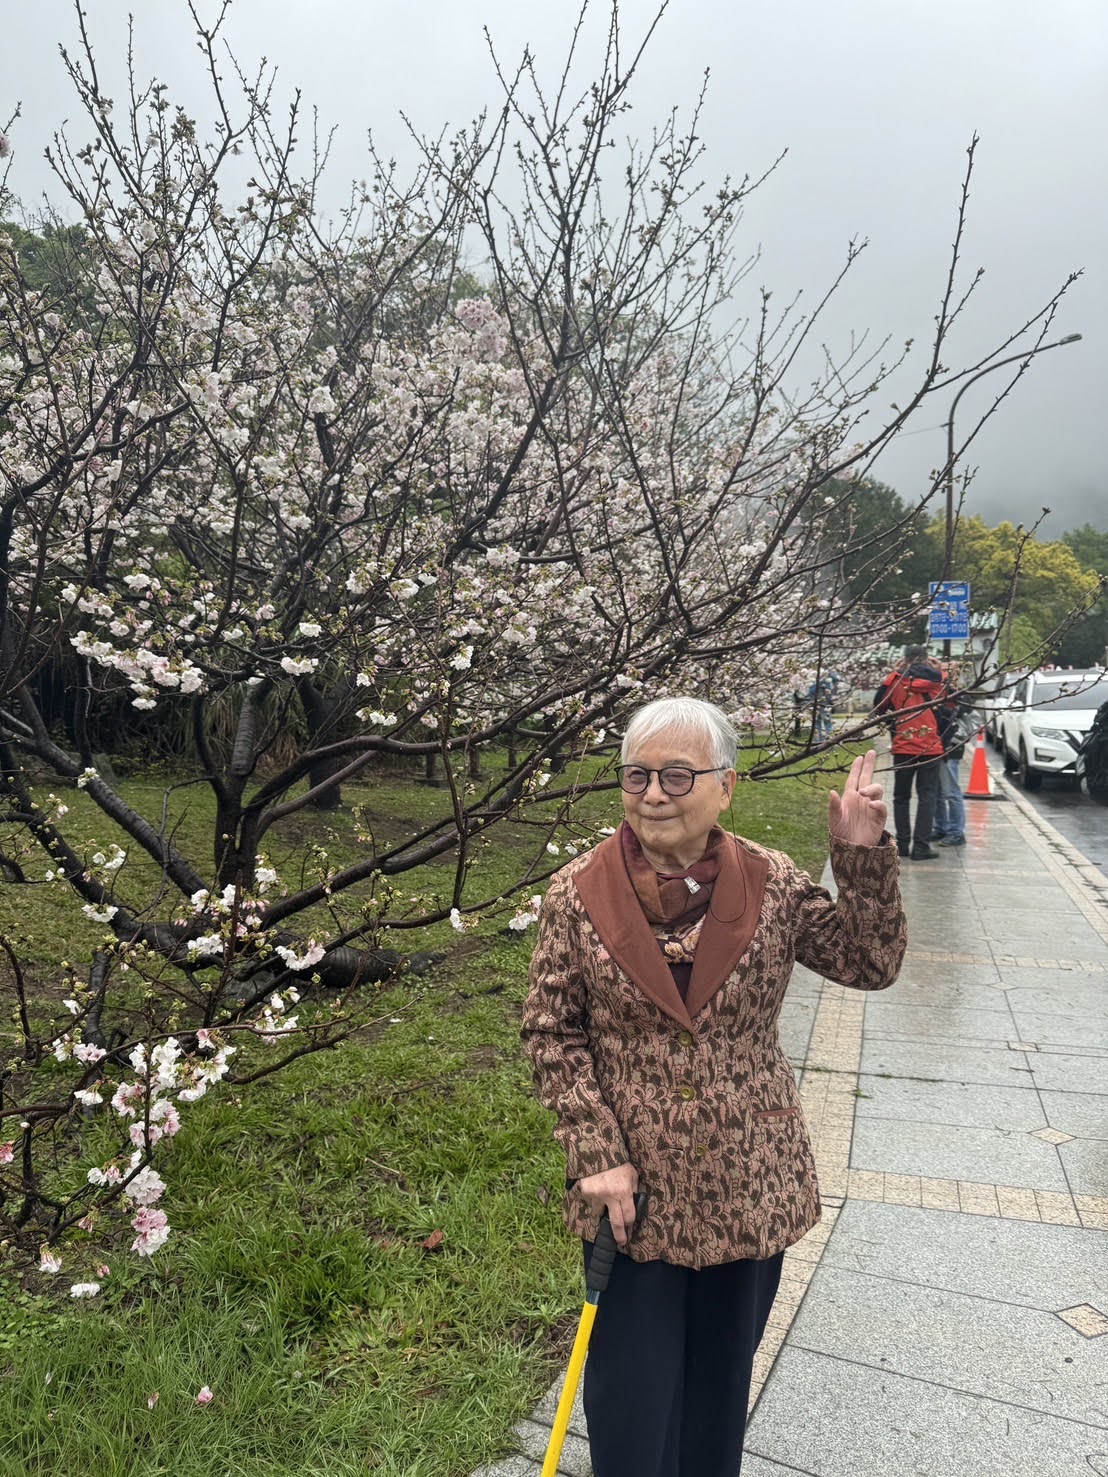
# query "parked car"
(993, 705)
(1047, 720)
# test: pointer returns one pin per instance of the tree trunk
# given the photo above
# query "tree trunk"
(320, 712)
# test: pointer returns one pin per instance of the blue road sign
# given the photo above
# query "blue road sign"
(949, 617)
(956, 591)
(944, 625)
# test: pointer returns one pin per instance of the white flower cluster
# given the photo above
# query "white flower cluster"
(142, 666)
(274, 1023)
(526, 916)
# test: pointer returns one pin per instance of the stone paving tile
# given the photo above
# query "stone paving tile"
(831, 1418)
(1017, 1204)
(1001, 1068)
(1029, 1264)
(969, 968)
(866, 1184)
(1097, 1053)
(795, 1027)
(938, 1194)
(858, 1317)
(920, 969)
(953, 1104)
(534, 1438)
(545, 1411)
(760, 1466)
(1085, 1162)
(1008, 924)
(899, 1021)
(1056, 1209)
(1070, 995)
(942, 994)
(1043, 955)
(996, 1156)
(1000, 892)
(805, 982)
(513, 1466)
(986, 870)
(978, 1199)
(1052, 1136)
(1090, 1322)
(1050, 1029)
(1066, 1072)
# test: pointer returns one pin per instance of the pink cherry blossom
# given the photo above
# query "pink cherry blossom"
(153, 1230)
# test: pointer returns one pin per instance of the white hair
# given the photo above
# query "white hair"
(685, 715)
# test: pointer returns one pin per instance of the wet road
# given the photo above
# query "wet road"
(1080, 820)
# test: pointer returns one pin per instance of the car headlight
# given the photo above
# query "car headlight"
(1047, 733)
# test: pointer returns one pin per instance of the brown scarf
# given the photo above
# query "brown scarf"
(673, 909)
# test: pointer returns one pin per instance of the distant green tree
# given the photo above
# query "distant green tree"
(1086, 644)
(58, 261)
(1050, 585)
(885, 550)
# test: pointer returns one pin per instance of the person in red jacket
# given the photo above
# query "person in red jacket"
(910, 695)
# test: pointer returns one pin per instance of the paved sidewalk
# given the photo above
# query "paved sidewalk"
(949, 1316)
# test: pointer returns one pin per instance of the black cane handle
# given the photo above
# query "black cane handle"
(605, 1251)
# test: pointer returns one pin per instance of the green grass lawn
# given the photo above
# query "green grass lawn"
(297, 1285)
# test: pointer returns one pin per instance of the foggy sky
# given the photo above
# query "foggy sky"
(875, 102)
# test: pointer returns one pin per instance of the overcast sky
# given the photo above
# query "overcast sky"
(875, 102)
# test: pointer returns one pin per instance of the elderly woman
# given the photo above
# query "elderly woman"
(651, 1023)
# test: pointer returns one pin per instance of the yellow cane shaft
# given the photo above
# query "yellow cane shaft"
(569, 1391)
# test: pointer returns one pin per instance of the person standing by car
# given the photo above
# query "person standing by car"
(910, 694)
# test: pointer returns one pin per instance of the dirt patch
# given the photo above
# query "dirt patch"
(481, 1058)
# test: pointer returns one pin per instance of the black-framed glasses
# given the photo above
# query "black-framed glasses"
(675, 779)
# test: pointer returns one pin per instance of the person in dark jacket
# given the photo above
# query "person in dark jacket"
(910, 695)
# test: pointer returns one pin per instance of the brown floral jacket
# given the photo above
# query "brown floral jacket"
(698, 1097)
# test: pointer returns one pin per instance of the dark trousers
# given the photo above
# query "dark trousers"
(924, 773)
(668, 1374)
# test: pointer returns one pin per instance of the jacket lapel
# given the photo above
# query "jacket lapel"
(730, 924)
(609, 899)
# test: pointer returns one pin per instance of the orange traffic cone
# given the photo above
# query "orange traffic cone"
(979, 787)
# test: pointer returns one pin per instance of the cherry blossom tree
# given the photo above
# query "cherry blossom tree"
(473, 467)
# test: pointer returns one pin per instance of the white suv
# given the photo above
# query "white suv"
(1050, 713)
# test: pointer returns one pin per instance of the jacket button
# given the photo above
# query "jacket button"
(699, 1151)
(688, 1092)
(686, 1038)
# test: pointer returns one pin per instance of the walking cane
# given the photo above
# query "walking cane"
(601, 1262)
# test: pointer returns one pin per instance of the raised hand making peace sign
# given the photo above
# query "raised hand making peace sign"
(859, 815)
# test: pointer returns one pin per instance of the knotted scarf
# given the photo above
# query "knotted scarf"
(674, 909)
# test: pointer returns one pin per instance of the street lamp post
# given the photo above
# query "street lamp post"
(948, 554)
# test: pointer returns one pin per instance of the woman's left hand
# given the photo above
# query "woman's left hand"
(859, 815)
